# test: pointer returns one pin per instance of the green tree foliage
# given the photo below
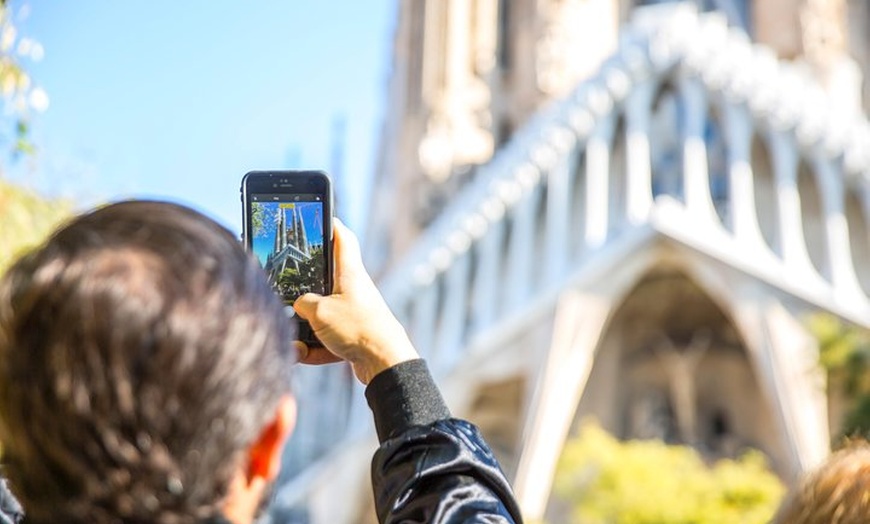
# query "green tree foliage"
(601, 480)
(25, 220)
(21, 96)
(293, 283)
(844, 352)
(258, 217)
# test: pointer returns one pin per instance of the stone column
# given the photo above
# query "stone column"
(638, 112)
(843, 275)
(744, 215)
(789, 224)
(522, 249)
(597, 206)
(579, 321)
(490, 271)
(454, 311)
(560, 184)
(696, 177)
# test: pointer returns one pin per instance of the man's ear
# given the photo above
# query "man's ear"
(264, 455)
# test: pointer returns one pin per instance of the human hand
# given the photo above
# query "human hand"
(354, 323)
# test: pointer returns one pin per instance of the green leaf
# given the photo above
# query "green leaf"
(27, 220)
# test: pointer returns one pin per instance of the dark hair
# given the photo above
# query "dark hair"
(141, 351)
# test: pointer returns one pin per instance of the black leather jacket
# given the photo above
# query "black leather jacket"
(431, 468)
(10, 509)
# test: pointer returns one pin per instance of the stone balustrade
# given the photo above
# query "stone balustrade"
(787, 199)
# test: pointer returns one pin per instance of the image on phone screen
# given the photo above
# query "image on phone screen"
(287, 238)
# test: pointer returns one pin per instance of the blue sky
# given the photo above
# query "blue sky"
(177, 100)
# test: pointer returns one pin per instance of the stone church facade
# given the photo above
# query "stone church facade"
(613, 209)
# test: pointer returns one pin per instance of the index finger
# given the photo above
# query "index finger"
(316, 356)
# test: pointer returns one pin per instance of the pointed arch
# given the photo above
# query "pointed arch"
(638, 386)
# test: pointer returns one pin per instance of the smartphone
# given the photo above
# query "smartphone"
(288, 227)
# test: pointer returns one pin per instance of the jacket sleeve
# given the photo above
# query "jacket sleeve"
(10, 509)
(430, 467)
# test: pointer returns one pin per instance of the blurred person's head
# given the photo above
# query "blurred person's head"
(837, 492)
(144, 367)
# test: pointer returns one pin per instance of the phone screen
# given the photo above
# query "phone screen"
(287, 237)
(288, 228)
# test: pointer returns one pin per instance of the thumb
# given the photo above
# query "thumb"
(306, 305)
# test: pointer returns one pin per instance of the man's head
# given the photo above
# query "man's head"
(838, 492)
(144, 367)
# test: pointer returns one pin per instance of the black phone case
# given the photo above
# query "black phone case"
(260, 182)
